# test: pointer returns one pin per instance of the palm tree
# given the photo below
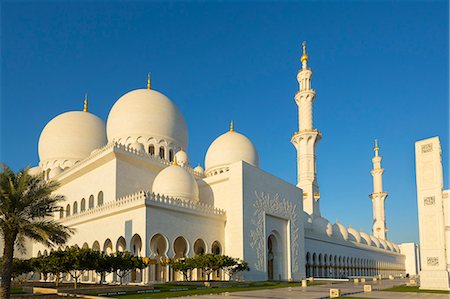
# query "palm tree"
(26, 209)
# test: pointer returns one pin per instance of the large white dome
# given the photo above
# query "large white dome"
(229, 148)
(176, 181)
(69, 138)
(143, 114)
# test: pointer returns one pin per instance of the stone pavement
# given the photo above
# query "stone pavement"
(323, 291)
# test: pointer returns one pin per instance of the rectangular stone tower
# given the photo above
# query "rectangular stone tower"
(434, 224)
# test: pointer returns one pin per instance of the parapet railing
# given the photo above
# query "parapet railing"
(147, 198)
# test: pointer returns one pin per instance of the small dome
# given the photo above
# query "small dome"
(69, 138)
(175, 181)
(54, 172)
(383, 243)
(182, 158)
(145, 114)
(354, 234)
(365, 238)
(375, 241)
(35, 171)
(138, 146)
(340, 231)
(390, 245)
(198, 169)
(322, 226)
(396, 248)
(229, 148)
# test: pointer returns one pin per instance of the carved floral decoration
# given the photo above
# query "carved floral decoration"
(276, 206)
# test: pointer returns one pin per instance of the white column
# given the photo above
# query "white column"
(433, 209)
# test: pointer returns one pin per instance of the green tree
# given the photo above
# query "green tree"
(208, 262)
(232, 266)
(20, 266)
(26, 204)
(103, 266)
(54, 264)
(184, 265)
(76, 261)
(123, 263)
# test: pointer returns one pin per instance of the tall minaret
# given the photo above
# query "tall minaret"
(306, 139)
(378, 196)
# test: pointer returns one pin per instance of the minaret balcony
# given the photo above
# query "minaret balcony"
(302, 132)
(309, 91)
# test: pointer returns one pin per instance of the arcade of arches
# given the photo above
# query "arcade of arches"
(336, 266)
(159, 257)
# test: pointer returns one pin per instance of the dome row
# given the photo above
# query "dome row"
(140, 119)
(322, 226)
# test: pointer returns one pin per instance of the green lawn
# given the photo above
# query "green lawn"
(171, 290)
(17, 291)
(414, 290)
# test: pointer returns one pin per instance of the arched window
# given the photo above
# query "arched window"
(100, 198)
(91, 202)
(83, 205)
(151, 150)
(170, 155)
(68, 210)
(216, 248)
(162, 153)
(61, 213)
(75, 208)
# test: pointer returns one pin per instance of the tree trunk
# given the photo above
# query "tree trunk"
(8, 254)
(102, 277)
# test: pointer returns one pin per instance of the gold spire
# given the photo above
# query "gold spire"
(85, 108)
(376, 148)
(304, 57)
(149, 84)
(175, 162)
(231, 126)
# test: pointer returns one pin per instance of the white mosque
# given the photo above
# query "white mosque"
(129, 185)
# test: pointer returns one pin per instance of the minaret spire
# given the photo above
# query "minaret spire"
(306, 138)
(149, 84)
(86, 104)
(378, 196)
(304, 58)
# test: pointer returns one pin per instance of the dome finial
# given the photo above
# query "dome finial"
(149, 84)
(231, 126)
(85, 108)
(304, 57)
(376, 148)
(175, 162)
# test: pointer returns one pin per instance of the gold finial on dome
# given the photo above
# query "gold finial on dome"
(149, 84)
(85, 108)
(231, 126)
(175, 162)
(304, 57)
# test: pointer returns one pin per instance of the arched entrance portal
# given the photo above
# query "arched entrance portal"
(272, 271)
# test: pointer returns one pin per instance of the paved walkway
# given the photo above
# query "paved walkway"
(348, 289)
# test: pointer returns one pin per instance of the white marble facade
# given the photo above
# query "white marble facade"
(129, 185)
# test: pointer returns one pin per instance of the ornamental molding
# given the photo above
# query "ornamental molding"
(432, 261)
(273, 204)
(426, 148)
(429, 201)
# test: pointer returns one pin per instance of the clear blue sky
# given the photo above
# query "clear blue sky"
(380, 71)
